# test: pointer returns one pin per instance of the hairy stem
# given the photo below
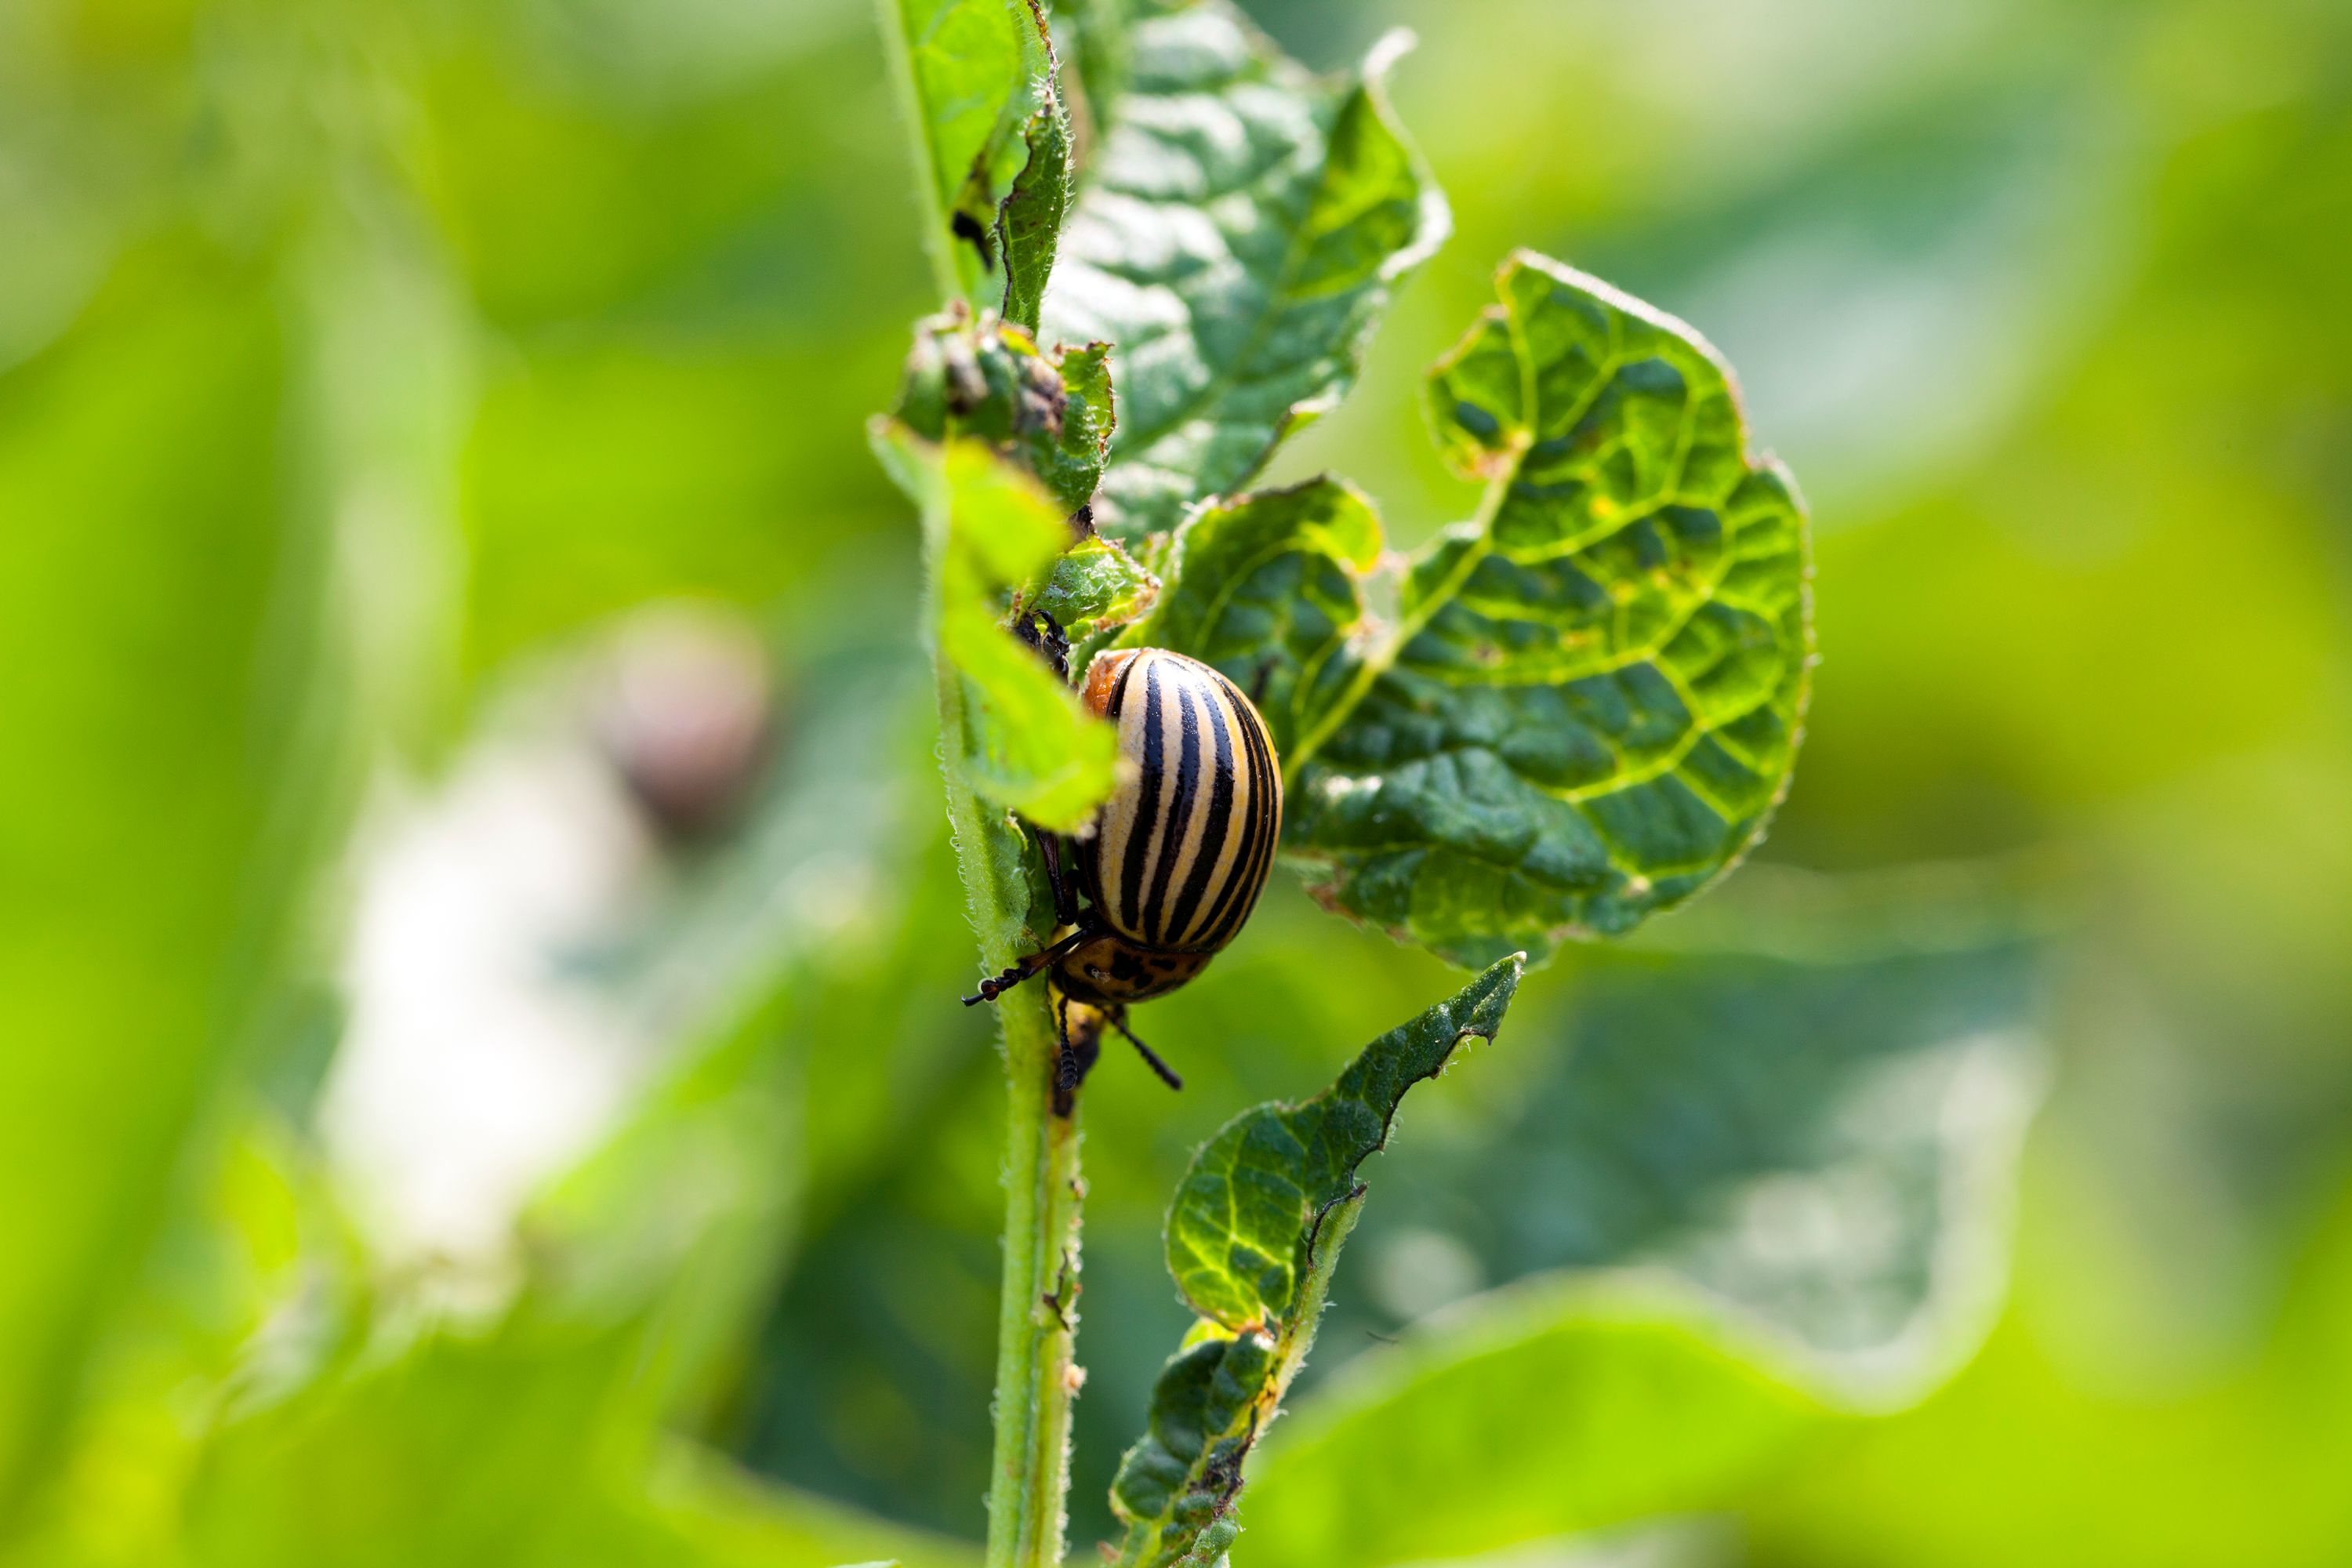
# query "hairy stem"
(938, 245)
(1037, 1307)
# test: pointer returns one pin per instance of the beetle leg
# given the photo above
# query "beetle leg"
(1065, 1060)
(1079, 1050)
(1118, 1018)
(1028, 969)
(1043, 632)
(1057, 877)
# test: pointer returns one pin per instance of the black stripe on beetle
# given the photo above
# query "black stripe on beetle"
(1174, 861)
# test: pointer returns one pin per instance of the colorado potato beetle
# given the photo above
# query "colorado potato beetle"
(1172, 863)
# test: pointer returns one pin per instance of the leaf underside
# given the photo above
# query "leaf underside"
(1242, 230)
(1028, 746)
(1253, 1237)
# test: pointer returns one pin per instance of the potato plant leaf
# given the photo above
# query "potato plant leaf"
(1557, 1407)
(1592, 697)
(1243, 226)
(1689, 1104)
(1269, 588)
(1033, 213)
(1096, 588)
(1253, 1237)
(981, 377)
(992, 140)
(992, 528)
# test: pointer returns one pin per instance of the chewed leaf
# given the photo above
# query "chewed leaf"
(994, 140)
(1593, 699)
(1050, 413)
(1241, 1233)
(1034, 212)
(1096, 588)
(1269, 588)
(1031, 747)
(1252, 1237)
(1245, 226)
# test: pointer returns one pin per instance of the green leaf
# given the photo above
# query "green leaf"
(1541, 1412)
(1243, 228)
(175, 720)
(1028, 745)
(1252, 1237)
(1593, 699)
(1269, 588)
(1050, 413)
(1096, 588)
(1033, 213)
(992, 140)
(1697, 1110)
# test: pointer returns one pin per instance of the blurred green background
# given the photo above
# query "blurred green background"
(479, 1076)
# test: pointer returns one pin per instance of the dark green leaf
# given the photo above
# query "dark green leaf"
(1050, 413)
(1243, 228)
(1241, 1234)
(1593, 701)
(1033, 214)
(1252, 1237)
(1029, 746)
(1269, 588)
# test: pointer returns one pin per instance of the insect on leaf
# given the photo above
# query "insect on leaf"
(994, 529)
(1243, 228)
(1593, 699)
(1252, 1237)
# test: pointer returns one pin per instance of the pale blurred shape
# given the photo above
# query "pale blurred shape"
(473, 1068)
(1417, 1271)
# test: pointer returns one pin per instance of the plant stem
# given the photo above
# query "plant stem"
(1037, 1310)
(938, 244)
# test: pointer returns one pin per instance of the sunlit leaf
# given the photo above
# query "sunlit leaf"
(1269, 588)
(1252, 1237)
(1029, 745)
(1239, 235)
(1096, 588)
(992, 140)
(1831, 1141)
(1559, 1408)
(161, 618)
(1050, 413)
(1592, 703)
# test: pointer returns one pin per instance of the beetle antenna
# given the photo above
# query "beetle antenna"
(1167, 1074)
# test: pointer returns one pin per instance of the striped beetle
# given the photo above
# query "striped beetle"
(1172, 863)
